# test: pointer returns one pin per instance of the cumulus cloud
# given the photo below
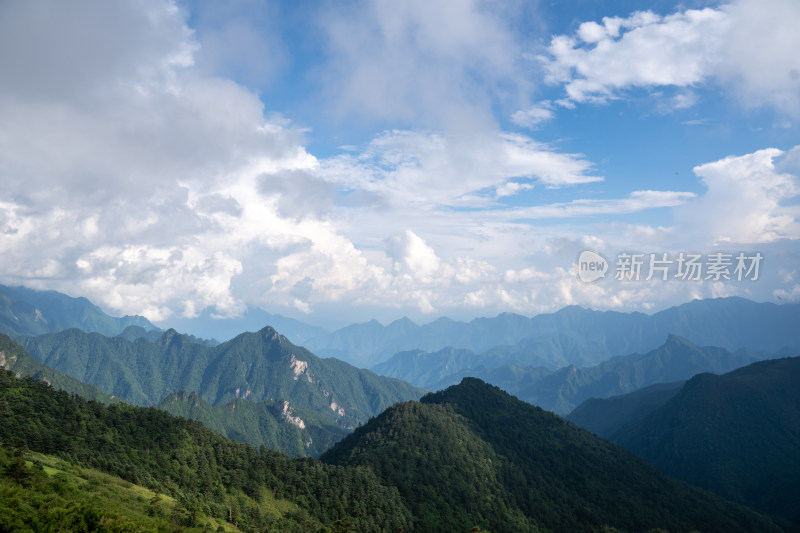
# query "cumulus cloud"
(746, 47)
(412, 256)
(149, 281)
(745, 201)
(120, 162)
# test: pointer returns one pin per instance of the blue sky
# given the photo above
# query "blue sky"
(339, 161)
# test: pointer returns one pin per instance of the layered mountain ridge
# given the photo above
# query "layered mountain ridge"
(324, 397)
(27, 312)
(737, 434)
(572, 335)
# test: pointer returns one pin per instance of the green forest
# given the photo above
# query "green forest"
(208, 476)
(474, 453)
(74, 464)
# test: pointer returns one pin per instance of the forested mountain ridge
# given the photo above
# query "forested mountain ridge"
(451, 449)
(438, 370)
(737, 435)
(13, 357)
(275, 424)
(677, 359)
(207, 474)
(422, 469)
(321, 397)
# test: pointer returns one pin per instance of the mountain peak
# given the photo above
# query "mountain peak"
(471, 394)
(271, 335)
(677, 339)
(170, 336)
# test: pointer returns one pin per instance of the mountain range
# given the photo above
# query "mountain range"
(573, 335)
(431, 463)
(564, 389)
(27, 312)
(275, 424)
(321, 398)
(470, 455)
(15, 358)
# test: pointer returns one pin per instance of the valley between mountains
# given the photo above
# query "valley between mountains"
(684, 420)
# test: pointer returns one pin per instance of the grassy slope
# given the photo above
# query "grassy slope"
(50, 494)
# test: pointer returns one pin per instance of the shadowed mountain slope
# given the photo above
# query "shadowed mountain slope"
(737, 435)
(473, 454)
(605, 416)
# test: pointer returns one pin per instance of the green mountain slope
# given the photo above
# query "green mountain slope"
(737, 435)
(472, 454)
(43, 493)
(325, 396)
(13, 357)
(268, 423)
(605, 416)
(26, 312)
(207, 474)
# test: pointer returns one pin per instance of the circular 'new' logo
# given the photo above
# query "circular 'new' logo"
(591, 266)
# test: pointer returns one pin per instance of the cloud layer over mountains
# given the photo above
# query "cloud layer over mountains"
(150, 159)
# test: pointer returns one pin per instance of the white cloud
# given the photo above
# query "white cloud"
(790, 295)
(424, 169)
(533, 116)
(747, 47)
(150, 281)
(654, 51)
(744, 201)
(438, 64)
(123, 167)
(510, 188)
(412, 256)
(635, 202)
(135, 176)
